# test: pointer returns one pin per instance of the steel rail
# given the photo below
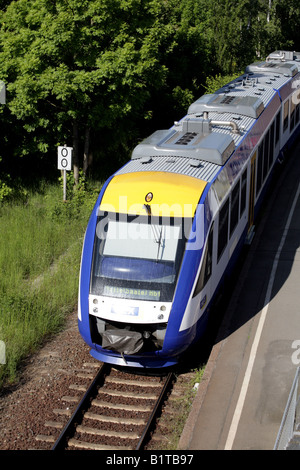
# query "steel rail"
(84, 403)
(156, 409)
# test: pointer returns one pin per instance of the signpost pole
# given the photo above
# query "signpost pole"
(65, 185)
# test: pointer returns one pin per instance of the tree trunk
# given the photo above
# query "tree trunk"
(75, 152)
(86, 151)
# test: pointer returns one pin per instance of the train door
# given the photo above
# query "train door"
(252, 197)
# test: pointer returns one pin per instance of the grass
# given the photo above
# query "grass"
(41, 241)
(183, 406)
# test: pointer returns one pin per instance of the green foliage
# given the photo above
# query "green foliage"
(119, 69)
(5, 191)
(39, 268)
(86, 62)
(10, 191)
(214, 83)
(82, 193)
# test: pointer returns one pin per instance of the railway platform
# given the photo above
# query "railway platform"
(247, 381)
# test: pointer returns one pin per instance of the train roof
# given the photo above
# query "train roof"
(215, 124)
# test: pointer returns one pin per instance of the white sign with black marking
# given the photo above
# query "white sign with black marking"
(64, 158)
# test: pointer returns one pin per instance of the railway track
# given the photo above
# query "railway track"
(117, 411)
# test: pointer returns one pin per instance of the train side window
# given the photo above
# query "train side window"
(260, 155)
(271, 155)
(292, 116)
(297, 113)
(243, 192)
(223, 228)
(266, 155)
(277, 133)
(286, 115)
(268, 144)
(234, 208)
(206, 268)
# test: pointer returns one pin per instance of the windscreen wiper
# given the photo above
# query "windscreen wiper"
(159, 244)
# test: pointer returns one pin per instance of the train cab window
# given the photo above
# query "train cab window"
(137, 257)
(206, 268)
(223, 228)
(234, 207)
(285, 116)
(243, 192)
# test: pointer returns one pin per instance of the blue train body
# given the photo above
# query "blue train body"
(169, 224)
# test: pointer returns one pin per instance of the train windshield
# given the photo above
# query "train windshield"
(137, 257)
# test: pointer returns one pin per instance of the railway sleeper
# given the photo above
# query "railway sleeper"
(121, 406)
(94, 446)
(102, 432)
(64, 412)
(134, 383)
(45, 438)
(121, 393)
(114, 419)
(54, 424)
(70, 399)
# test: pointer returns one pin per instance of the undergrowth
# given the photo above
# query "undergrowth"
(41, 241)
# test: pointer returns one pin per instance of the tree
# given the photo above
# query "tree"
(229, 32)
(79, 66)
(103, 73)
(288, 15)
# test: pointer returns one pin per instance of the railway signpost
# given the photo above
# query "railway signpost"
(64, 163)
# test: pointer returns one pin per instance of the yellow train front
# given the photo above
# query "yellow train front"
(168, 226)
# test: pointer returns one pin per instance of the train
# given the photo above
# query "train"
(169, 225)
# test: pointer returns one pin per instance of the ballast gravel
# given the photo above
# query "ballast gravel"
(44, 380)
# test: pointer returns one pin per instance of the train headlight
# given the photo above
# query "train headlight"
(163, 308)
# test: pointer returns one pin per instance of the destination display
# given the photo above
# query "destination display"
(131, 293)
